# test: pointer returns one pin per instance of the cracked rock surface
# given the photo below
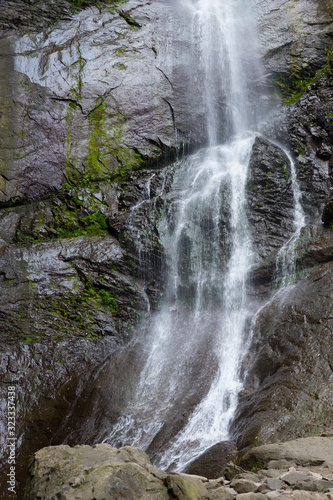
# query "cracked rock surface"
(104, 472)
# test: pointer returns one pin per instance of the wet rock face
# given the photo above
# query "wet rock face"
(310, 133)
(294, 35)
(270, 199)
(85, 107)
(288, 390)
(72, 283)
(66, 260)
(97, 96)
(18, 15)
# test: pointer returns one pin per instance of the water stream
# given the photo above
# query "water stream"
(197, 341)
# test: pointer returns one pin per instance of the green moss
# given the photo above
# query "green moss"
(107, 156)
(120, 66)
(301, 150)
(100, 297)
(293, 87)
(76, 225)
(253, 464)
(285, 171)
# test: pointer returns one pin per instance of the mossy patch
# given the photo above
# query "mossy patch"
(293, 87)
(62, 216)
(107, 157)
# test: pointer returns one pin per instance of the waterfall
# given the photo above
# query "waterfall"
(286, 258)
(195, 344)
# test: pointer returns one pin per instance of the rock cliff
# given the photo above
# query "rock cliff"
(96, 104)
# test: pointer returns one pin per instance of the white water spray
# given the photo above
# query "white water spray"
(197, 341)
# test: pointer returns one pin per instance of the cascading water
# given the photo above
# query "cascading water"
(196, 339)
(286, 258)
(196, 342)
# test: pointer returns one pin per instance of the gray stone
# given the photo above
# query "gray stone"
(279, 464)
(222, 493)
(263, 488)
(213, 461)
(272, 494)
(304, 495)
(272, 473)
(242, 485)
(302, 451)
(84, 472)
(274, 483)
(314, 485)
(251, 496)
(184, 487)
(249, 476)
(232, 471)
(291, 478)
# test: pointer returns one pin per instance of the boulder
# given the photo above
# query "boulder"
(305, 451)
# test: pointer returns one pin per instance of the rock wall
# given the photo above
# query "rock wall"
(91, 108)
(89, 105)
(95, 97)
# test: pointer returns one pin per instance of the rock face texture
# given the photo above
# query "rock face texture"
(289, 389)
(68, 301)
(295, 35)
(94, 104)
(103, 472)
(95, 97)
(270, 198)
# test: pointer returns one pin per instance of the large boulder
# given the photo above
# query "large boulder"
(305, 451)
(104, 472)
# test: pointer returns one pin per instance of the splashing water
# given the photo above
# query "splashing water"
(196, 342)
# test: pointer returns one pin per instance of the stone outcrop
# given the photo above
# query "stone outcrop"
(294, 35)
(103, 472)
(303, 452)
(310, 133)
(95, 97)
(270, 200)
